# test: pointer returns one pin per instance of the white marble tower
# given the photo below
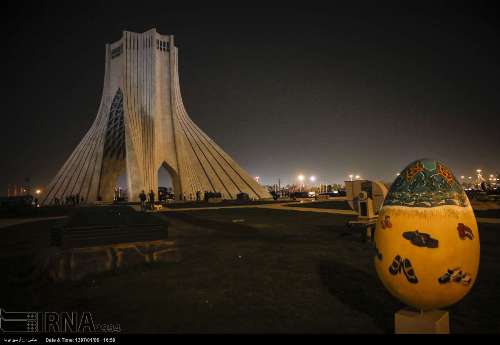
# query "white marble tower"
(142, 125)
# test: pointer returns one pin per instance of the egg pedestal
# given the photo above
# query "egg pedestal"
(427, 245)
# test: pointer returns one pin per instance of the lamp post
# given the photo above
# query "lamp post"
(301, 179)
(479, 178)
(313, 179)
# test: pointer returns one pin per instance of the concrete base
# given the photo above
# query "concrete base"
(428, 322)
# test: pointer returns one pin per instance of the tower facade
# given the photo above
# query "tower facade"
(142, 125)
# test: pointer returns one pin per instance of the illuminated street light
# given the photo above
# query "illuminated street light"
(312, 178)
(470, 177)
(478, 171)
(301, 179)
(397, 174)
(38, 191)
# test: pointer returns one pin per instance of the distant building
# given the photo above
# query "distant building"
(17, 190)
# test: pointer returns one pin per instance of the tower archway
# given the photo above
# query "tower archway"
(168, 182)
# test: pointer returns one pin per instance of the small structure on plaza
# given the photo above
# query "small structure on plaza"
(374, 191)
(427, 245)
(365, 197)
(102, 239)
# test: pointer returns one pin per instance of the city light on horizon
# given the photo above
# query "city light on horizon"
(330, 177)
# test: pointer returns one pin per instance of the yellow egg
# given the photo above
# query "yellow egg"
(426, 238)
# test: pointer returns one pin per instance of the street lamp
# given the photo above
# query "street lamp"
(38, 191)
(301, 179)
(312, 178)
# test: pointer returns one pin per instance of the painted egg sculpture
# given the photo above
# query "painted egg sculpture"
(426, 238)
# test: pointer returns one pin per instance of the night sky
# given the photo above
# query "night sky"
(323, 91)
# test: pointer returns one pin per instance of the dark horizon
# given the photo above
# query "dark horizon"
(327, 91)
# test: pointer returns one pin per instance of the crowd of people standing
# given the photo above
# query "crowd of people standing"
(143, 197)
(148, 200)
(70, 200)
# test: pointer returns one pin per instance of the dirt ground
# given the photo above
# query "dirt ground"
(246, 270)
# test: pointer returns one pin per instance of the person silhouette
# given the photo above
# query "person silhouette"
(142, 198)
(152, 199)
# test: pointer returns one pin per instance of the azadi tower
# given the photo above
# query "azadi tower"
(142, 125)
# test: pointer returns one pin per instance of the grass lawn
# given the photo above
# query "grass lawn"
(333, 204)
(272, 271)
(223, 203)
